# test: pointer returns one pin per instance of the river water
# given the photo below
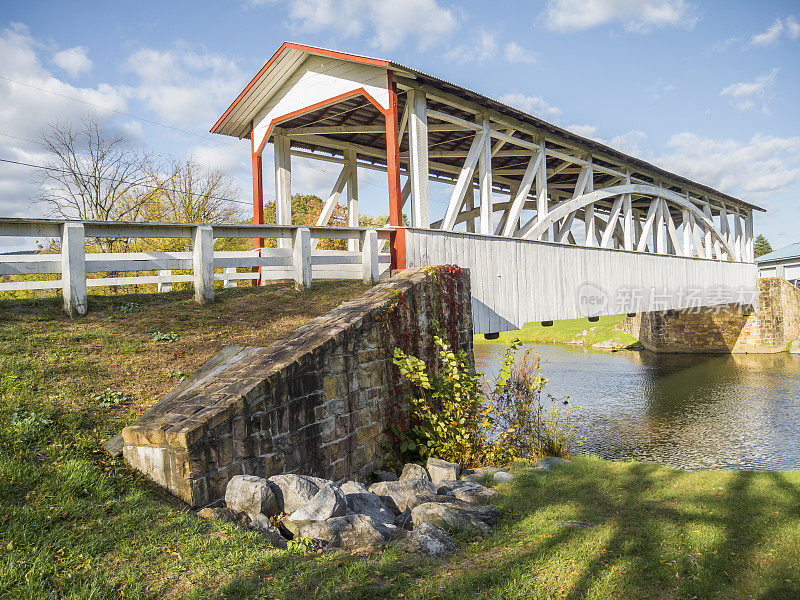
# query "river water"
(686, 411)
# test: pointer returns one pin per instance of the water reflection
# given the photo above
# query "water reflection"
(688, 411)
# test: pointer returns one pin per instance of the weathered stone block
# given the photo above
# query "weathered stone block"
(313, 402)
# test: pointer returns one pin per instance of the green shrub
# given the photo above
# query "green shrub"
(130, 307)
(300, 545)
(532, 430)
(177, 376)
(458, 416)
(109, 398)
(165, 337)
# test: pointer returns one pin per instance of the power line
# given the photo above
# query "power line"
(119, 112)
(154, 187)
(150, 121)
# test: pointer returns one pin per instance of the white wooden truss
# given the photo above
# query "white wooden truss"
(512, 175)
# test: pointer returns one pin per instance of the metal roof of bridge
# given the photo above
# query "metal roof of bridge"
(237, 119)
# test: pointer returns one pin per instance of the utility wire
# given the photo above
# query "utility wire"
(154, 187)
(119, 112)
(150, 121)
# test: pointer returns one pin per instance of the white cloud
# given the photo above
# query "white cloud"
(515, 53)
(587, 131)
(658, 88)
(628, 142)
(482, 48)
(30, 106)
(746, 95)
(535, 105)
(388, 24)
(184, 85)
(792, 28)
(770, 36)
(635, 15)
(74, 61)
(788, 27)
(234, 161)
(764, 165)
(723, 45)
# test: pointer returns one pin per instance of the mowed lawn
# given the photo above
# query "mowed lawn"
(75, 523)
(606, 329)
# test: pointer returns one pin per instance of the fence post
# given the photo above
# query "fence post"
(229, 283)
(164, 286)
(73, 268)
(301, 258)
(203, 263)
(369, 256)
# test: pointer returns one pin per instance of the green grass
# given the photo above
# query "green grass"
(75, 523)
(570, 331)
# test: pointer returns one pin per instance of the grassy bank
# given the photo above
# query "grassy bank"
(75, 523)
(604, 332)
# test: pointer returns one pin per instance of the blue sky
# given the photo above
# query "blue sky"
(709, 90)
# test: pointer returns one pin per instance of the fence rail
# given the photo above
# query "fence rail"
(296, 257)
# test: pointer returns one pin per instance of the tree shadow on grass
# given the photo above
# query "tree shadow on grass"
(658, 533)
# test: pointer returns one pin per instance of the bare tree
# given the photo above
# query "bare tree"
(92, 175)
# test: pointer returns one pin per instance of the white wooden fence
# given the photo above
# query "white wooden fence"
(296, 257)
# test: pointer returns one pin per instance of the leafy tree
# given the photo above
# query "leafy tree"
(306, 209)
(762, 246)
(379, 221)
(190, 192)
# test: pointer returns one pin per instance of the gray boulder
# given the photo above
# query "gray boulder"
(414, 471)
(329, 502)
(224, 514)
(403, 520)
(259, 522)
(441, 470)
(548, 462)
(503, 477)
(354, 487)
(385, 476)
(468, 491)
(268, 531)
(356, 533)
(292, 491)
(430, 540)
(250, 494)
(480, 474)
(449, 517)
(399, 495)
(361, 501)
(488, 514)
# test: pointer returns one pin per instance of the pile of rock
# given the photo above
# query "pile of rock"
(418, 510)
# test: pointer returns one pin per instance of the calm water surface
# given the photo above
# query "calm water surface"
(686, 411)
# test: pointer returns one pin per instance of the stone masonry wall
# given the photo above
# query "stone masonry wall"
(733, 329)
(319, 402)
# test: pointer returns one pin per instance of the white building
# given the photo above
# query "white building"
(781, 263)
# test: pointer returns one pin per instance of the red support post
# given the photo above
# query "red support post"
(258, 197)
(398, 241)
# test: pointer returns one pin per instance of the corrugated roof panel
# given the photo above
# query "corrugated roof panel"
(790, 251)
(236, 120)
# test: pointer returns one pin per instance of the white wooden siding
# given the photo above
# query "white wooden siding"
(519, 281)
(317, 80)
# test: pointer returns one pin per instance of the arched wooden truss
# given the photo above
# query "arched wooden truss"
(664, 222)
(512, 174)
